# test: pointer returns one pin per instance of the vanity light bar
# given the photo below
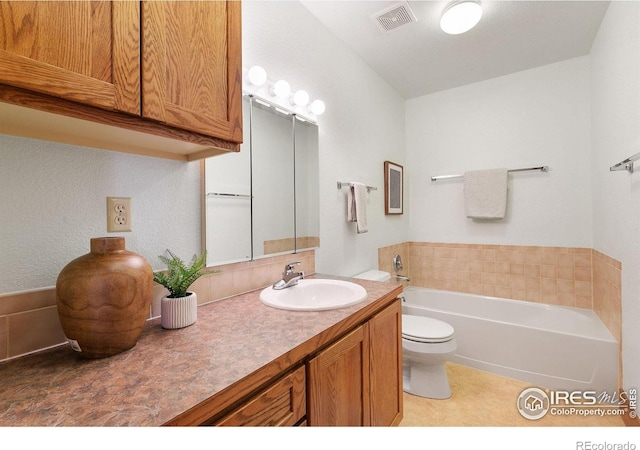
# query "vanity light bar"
(280, 96)
(280, 110)
(262, 102)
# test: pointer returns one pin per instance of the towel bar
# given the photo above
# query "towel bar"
(342, 184)
(627, 164)
(447, 177)
(223, 194)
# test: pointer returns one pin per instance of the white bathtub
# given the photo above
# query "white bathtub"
(556, 347)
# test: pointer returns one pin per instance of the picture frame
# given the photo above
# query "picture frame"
(393, 188)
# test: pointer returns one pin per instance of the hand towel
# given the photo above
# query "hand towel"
(357, 206)
(485, 193)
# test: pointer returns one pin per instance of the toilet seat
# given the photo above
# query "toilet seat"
(425, 329)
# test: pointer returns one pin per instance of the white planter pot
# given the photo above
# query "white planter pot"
(179, 312)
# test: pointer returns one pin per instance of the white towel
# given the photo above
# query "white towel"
(357, 206)
(485, 193)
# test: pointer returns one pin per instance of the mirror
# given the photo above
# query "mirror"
(307, 182)
(263, 200)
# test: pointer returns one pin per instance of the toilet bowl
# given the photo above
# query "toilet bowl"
(427, 344)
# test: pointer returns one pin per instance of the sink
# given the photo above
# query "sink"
(314, 295)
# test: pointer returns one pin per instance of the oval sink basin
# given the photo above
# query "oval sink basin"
(314, 295)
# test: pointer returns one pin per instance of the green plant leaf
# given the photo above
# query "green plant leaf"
(180, 276)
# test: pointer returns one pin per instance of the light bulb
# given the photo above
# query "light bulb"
(317, 107)
(257, 76)
(280, 89)
(301, 98)
(460, 16)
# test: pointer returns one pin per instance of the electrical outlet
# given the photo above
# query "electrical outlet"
(118, 214)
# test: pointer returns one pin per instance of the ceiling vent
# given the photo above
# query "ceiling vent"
(394, 17)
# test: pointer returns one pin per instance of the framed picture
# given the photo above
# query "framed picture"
(393, 188)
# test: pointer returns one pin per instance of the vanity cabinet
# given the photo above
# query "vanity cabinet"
(357, 381)
(241, 363)
(169, 73)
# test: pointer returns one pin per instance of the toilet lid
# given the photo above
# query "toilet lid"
(425, 329)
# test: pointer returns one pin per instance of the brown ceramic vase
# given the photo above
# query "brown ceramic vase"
(103, 298)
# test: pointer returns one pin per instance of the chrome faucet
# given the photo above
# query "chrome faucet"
(289, 277)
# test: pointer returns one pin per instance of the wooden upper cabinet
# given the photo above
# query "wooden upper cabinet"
(154, 78)
(86, 52)
(192, 66)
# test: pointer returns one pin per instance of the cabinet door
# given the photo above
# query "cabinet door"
(192, 66)
(281, 404)
(87, 52)
(338, 380)
(385, 337)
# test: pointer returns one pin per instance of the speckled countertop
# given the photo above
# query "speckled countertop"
(170, 371)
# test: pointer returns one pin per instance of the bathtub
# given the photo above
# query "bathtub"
(556, 347)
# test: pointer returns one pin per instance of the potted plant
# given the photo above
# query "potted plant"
(179, 309)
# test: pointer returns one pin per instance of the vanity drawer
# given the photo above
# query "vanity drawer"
(283, 403)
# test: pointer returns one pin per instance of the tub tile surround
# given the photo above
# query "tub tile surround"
(29, 319)
(385, 260)
(565, 276)
(607, 297)
(554, 275)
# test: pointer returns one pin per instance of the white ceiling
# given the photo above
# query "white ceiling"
(418, 58)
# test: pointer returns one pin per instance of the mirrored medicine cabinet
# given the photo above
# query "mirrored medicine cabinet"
(264, 200)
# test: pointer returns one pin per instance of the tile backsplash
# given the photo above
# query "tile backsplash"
(29, 320)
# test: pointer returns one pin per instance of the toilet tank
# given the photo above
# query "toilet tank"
(374, 275)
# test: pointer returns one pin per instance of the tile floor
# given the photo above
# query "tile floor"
(483, 399)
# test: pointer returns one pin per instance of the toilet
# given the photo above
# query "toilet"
(427, 344)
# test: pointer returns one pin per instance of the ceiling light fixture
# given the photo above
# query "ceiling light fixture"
(460, 16)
